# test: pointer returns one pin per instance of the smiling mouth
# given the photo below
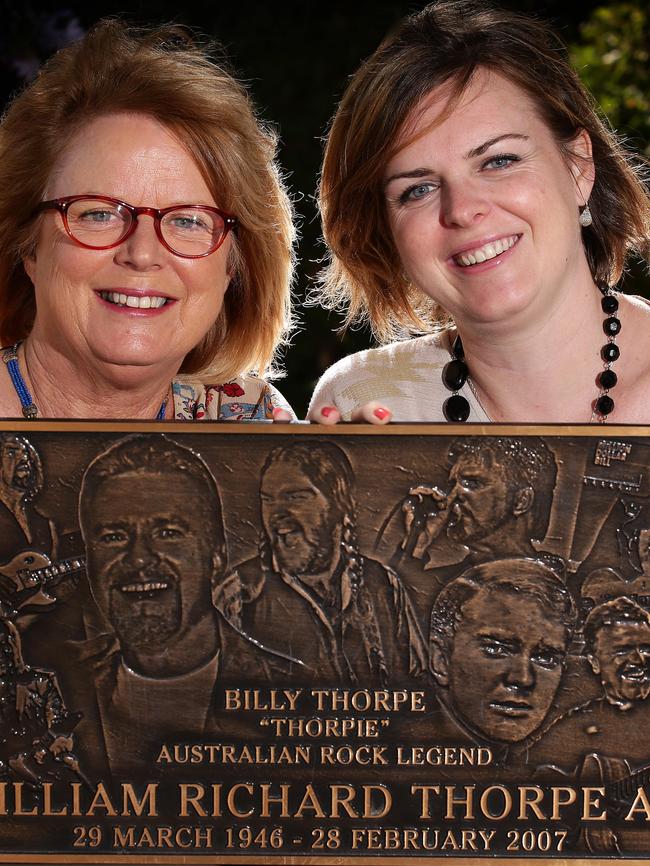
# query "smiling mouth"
(149, 586)
(486, 252)
(139, 302)
(144, 589)
(635, 675)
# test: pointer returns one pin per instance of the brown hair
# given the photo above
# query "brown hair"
(525, 462)
(516, 577)
(164, 74)
(155, 454)
(446, 43)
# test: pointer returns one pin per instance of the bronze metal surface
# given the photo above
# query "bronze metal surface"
(274, 644)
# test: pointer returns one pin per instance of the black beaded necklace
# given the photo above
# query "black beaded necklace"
(456, 373)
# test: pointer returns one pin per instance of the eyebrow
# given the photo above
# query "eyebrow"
(480, 150)
(471, 154)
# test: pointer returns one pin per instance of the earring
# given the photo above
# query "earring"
(585, 218)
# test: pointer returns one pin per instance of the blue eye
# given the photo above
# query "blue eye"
(501, 160)
(416, 192)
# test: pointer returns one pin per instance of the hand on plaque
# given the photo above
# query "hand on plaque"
(369, 413)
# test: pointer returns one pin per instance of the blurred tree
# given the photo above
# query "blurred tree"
(612, 57)
(611, 54)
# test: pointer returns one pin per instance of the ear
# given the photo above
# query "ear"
(29, 264)
(439, 662)
(593, 661)
(581, 165)
(524, 498)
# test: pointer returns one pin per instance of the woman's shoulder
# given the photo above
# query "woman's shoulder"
(429, 350)
(396, 373)
(242, 398)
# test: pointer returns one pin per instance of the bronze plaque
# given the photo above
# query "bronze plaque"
(275, 644)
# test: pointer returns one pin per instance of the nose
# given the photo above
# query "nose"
(142, 250)
(457, 492)
(462, 204)
(520, 673)
(140, 552)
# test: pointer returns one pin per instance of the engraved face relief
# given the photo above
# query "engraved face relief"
(505, 664)
(19, 464)
(480, 497)
(514, 656)
(621, 656)
(150, 557)
(299, 519)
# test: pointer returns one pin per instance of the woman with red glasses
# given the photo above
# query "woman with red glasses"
(145, 237)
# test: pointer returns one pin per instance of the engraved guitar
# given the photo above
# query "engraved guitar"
(25, 579)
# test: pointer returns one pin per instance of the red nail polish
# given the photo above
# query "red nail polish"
(381, 413)
(327, 411)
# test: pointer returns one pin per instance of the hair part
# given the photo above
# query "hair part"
(164, 74)
(447, 43)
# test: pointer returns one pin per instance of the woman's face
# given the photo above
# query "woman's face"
(133, 158)
(484, 208)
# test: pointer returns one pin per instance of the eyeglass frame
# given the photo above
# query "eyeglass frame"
(63, 203)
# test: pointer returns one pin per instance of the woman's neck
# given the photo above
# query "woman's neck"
(65, 387)
(543, 370)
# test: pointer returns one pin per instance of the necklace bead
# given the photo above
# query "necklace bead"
(612, 326)
(605, 404)
(607, 379)
(456, 409)
(454, 374)
(610, 353)
(609, 304)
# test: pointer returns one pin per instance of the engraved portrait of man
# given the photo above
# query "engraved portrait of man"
(617, 646)
(155, 646)
(617, 643)
(151, 523)
(350, 618)
(21, 480)
(498, 644)
(498, 502)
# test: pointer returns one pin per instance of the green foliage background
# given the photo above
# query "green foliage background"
(297, 56)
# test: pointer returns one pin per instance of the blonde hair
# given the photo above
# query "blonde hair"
(448, 42)
(164, 74)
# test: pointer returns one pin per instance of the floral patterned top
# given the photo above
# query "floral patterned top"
(245, 398)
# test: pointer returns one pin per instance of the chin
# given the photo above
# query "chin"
(135, 356)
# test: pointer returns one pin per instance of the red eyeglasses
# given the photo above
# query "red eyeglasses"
(100, 222)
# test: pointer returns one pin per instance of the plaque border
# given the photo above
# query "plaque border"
(301, 429)
(298, 860)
